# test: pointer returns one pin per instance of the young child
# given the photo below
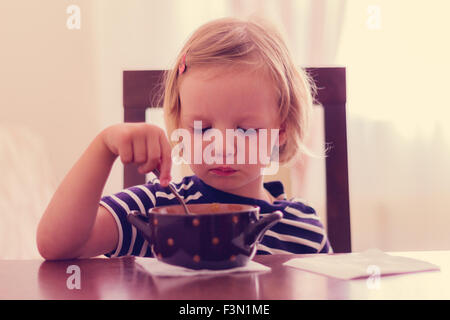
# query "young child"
(231, 74)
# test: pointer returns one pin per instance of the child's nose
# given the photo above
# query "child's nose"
(228, 146)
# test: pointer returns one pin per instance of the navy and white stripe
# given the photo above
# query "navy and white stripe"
(300, 230)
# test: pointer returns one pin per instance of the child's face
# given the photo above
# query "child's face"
(229, 100)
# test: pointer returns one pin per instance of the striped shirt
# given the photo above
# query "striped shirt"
(299, 231)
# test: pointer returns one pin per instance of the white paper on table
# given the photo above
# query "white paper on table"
(360, 265)
(158, 268)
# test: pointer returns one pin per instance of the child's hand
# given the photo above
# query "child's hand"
(143, 144)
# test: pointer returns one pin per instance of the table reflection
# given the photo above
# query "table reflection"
(122, 278)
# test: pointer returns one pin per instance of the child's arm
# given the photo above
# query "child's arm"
(74, 225)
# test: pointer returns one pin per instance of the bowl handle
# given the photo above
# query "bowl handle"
(256, 230)
(140, 221)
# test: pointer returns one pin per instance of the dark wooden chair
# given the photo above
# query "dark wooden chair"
(141, 87)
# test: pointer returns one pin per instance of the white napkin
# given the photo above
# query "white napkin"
(360, 265)
(158, 268)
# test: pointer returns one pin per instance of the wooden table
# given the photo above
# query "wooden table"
(119, 278)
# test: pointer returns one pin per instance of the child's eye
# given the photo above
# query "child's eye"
(203, 129)
(245, 130)
(255, 130)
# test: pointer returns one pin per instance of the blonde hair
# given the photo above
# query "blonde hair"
(251, 43)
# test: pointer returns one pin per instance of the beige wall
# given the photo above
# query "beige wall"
(48, 109)
(48, 76)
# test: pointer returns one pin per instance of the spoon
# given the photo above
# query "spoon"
(174, 191)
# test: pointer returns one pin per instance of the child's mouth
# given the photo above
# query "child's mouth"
(223, 171)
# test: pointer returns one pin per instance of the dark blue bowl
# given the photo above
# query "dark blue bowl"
(214, 236)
